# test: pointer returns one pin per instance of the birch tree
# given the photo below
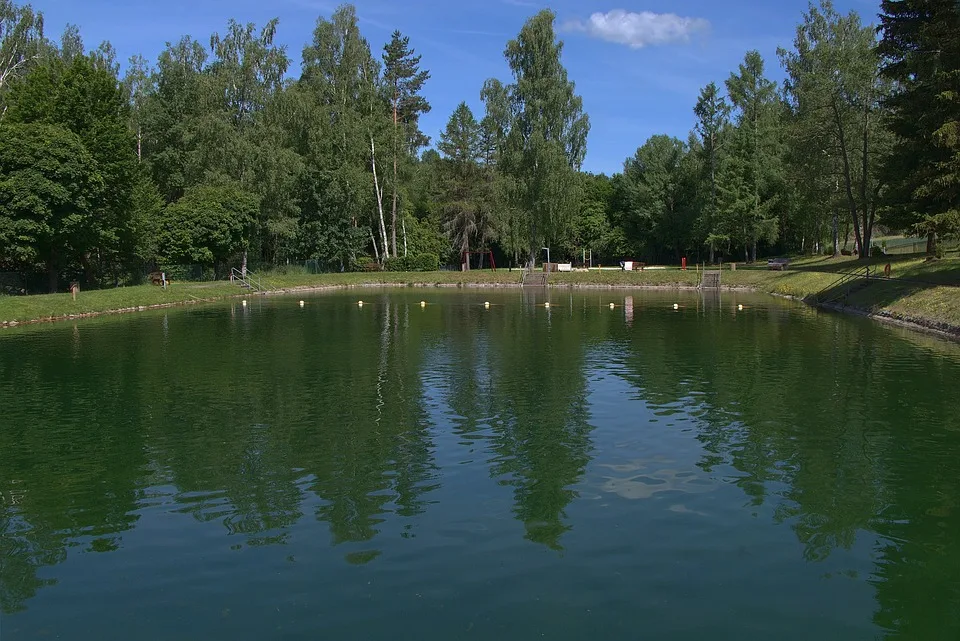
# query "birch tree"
(21, 42)
(836, 91)
(547, 138)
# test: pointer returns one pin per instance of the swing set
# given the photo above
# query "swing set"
(465, 259)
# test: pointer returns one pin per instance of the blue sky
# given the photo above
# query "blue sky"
(639, 65)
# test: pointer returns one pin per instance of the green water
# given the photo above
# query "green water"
(452, 472)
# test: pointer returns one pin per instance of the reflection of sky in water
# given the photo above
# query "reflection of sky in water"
(642, 451)
(650, 483)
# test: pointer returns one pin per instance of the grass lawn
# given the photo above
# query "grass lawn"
(921, 290)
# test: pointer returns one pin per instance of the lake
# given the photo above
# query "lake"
(454, 471)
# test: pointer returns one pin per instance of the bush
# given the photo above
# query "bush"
(367, 264)
(939, 250)
(830, 250)
(398, 264)
(426, 263)
(418, 263)
(876, 251)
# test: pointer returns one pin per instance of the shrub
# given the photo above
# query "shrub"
(939, 250)
(876, 251)
(418, 263)
(426, 263)
(830, 250)
(398, 264)
(367, 264)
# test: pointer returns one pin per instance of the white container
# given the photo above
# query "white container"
(628, 265)
(564, 267)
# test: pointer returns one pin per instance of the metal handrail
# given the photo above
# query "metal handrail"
(846, 278)
(250, 279)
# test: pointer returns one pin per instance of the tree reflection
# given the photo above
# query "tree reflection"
(821, 422)
(258, 420)
(541, 430)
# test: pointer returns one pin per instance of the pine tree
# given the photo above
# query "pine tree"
(460, 145)
(404, 81)
(921, 55)
(756, 147)
(713, 119)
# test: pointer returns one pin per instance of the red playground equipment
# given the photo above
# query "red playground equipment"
(465, 259)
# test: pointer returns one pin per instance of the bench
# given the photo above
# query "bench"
(778, 264)
(157, 278)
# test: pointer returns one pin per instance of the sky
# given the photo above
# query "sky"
(638, 64)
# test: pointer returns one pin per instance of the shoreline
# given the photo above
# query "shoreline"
(927, 326)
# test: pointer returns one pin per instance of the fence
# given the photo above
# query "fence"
(901, 246)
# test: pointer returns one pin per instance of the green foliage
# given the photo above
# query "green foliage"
(546, 139)
(21, 43)
(712, 126)
(330, 159)
(656, 200)
(50, 186)
(418, 263)
(921, 54)
(463, 208)
(750, 175)
(423, 238)
(367, 264)
(835, 96)
(209, 225)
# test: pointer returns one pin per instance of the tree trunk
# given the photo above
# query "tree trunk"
(931, 243)
(376, 252)
(243, 264)
(53, 277)
(376, 186)
(836, 232)
(393, 214)
(713, 194)
(866, 205)
(753, 252)
(403, 226)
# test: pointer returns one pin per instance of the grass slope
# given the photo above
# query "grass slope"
(920, 291)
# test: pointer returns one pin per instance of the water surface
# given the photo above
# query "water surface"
(452, 471)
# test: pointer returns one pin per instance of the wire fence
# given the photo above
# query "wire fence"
(899, 246)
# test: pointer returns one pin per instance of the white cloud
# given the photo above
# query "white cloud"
(638, 30)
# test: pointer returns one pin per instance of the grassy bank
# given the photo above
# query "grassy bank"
(919, 291)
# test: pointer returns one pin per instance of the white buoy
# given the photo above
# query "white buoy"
(546, 304)
(612, 306)
(301, 303)
(675, 306)
(740, 307)
(486, 304)
(359, 303)
(244, 303)
(423, 303)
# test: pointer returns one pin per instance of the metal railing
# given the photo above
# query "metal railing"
(845, 283)
(249, 280)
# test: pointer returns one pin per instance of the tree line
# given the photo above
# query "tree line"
(214, 154)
